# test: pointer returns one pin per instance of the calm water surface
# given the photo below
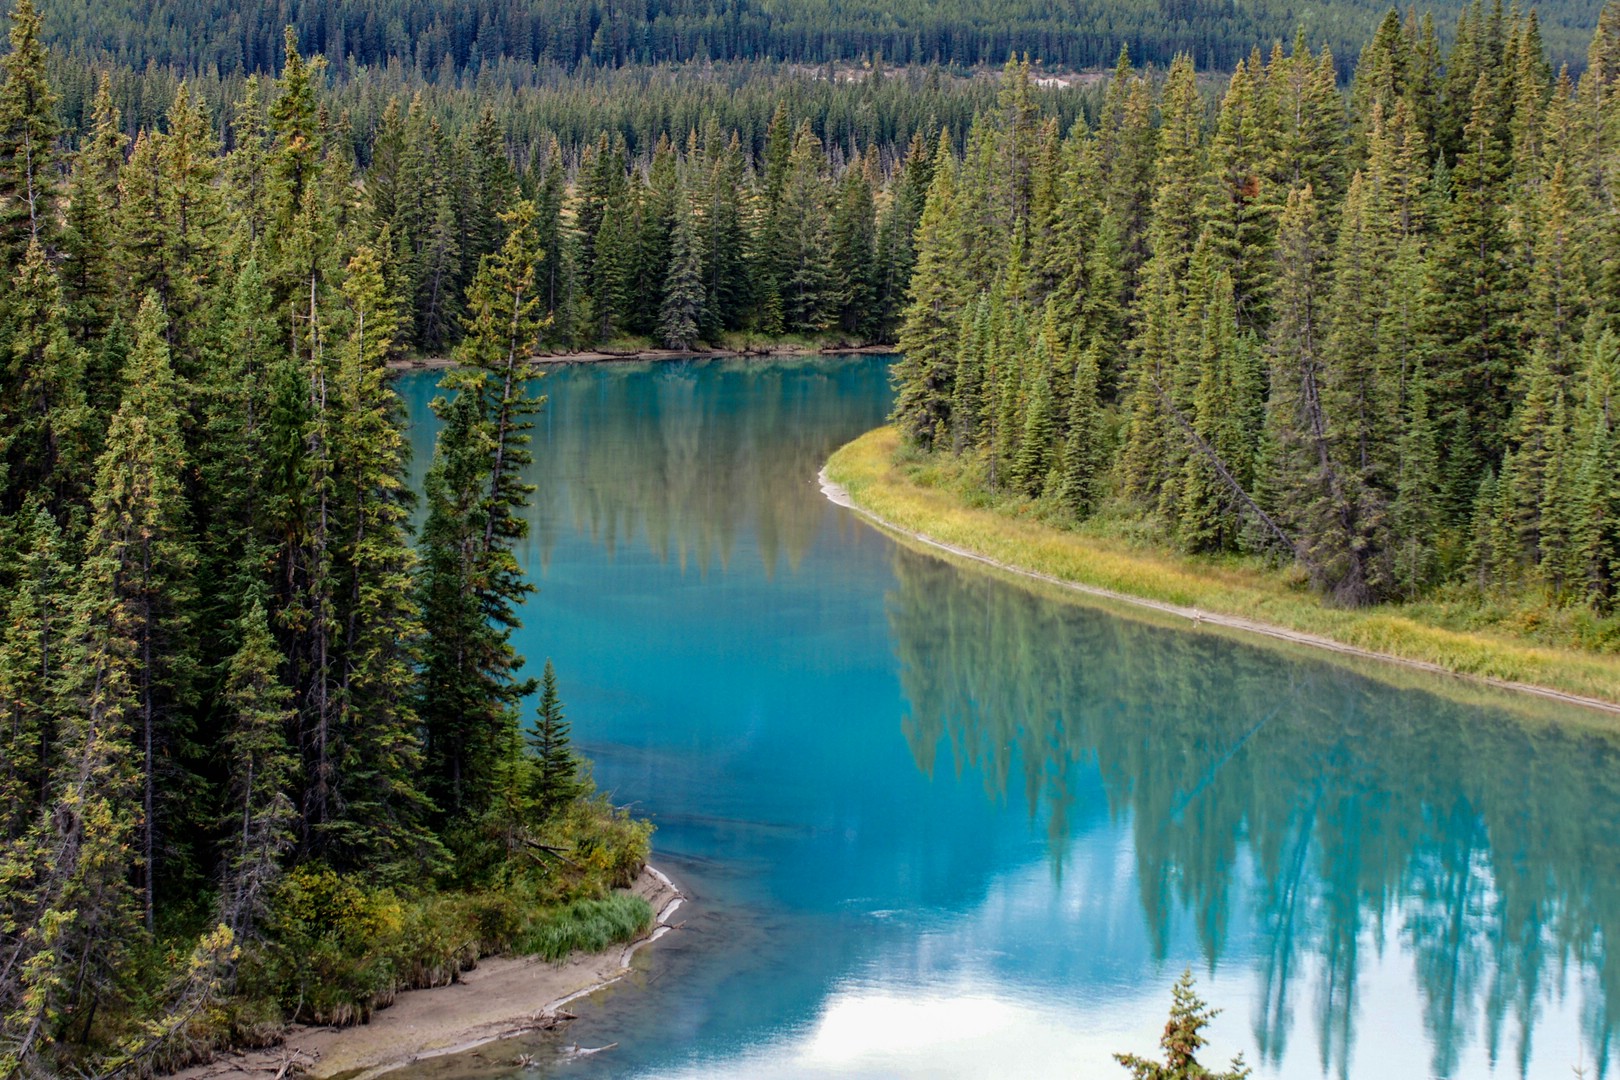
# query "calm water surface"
(936, 824)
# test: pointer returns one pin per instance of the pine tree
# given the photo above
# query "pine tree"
(922, 377)
(471, 582)
(49, 443)
(90, 286)
(139, 530)
(1084, 455)
(260, 822)
(557, 768)
(854, 256)
(28, 133)
(1182, 1039)
(803, 244)
(31, 644)
(681, 312)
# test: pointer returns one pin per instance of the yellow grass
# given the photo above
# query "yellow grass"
(893, 493)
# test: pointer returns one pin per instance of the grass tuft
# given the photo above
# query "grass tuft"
(588, 925)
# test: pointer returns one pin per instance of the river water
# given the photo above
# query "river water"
(938, 823)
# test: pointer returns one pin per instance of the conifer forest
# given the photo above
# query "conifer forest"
(1340, 296)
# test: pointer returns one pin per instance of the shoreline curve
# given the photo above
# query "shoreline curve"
(839, 496)
(503, 997)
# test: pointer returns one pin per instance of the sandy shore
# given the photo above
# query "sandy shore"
(502, 997)
(434, 363)
(836, 493)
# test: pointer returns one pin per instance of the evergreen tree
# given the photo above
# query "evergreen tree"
(260, 816)
(1035, 439)
(471, 582)
(803, 243)
(922, 377)
(383, 810)
(1478, 318)
(854, 256)
(557, 779)
(28, 133)
(31, 647)
(681, 312)
(1182, 1039)
(138, 531)
(49, 443)
(1084, 459)
(90, 286)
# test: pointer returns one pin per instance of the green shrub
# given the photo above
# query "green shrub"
(331, 946)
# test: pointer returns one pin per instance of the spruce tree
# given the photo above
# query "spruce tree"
(28, 134)
(557, 780)
(139, 531)
(471, 582)
(383, 810)
(805, 274)
(1182, 1039)
(1035, 438)
(1595, 525)
(922, 377)
(31, 648)
(91, 291)
(854, 256)
(681, 311)
(49, 443)
(259, 824)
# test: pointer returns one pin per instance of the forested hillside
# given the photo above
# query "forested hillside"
(446, 40)
(261, 757)
(1375, 335)
(264, 755)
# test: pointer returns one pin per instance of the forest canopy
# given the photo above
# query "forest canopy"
(446, 40)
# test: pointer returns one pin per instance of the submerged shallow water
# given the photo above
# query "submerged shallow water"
(935, 822)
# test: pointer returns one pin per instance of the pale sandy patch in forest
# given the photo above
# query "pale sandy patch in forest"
(502, 997)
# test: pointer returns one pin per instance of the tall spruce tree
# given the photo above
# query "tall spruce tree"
(28, 134)
(922, 378)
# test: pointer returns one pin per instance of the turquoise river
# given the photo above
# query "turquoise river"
(938, 823)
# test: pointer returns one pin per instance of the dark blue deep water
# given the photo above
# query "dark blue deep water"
(936, 823)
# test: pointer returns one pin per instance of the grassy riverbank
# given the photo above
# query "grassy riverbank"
(932, 498)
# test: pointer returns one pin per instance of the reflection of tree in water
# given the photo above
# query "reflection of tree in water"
(691, 455)
(1491, 844)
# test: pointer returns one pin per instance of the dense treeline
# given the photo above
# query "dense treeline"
(1377, 334)
(883, 107)
(685, 245)
(261, 757)
(443, 39)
